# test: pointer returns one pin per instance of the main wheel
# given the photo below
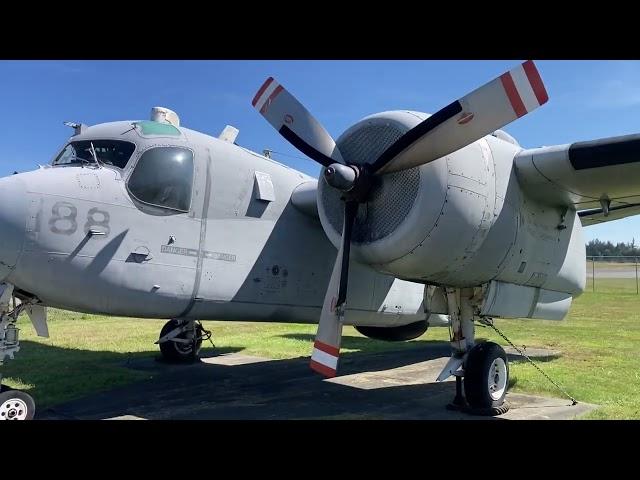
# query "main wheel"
(177, 351)
(486, 376)
(16, 405)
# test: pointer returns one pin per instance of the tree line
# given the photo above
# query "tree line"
(598, 248)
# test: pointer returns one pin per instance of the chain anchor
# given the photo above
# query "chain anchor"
(489, 323)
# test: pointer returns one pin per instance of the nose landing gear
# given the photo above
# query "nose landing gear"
(14, 404)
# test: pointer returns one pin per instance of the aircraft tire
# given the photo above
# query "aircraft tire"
(16, 405)
(486, 376)
(175, 352)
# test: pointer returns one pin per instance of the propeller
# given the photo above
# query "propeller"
(289, 117)
(486, 109)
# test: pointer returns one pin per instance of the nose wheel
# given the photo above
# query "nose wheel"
(16, 405)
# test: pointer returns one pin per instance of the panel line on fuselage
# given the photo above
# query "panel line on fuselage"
(203, 235)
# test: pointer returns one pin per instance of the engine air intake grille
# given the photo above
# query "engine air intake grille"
(390, 202)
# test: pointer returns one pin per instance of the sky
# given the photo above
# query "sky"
(587, 100)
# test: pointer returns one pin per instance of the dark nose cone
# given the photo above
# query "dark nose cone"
(340, 176)
(13, 219)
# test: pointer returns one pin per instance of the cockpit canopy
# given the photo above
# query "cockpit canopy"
(108, 152)
(152, 157)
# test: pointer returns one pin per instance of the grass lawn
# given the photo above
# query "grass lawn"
(599, 341)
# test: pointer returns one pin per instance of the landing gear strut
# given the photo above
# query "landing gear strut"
(180, 340)
(14, 404)
(481, 370)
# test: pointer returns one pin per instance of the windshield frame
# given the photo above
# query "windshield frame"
(91, 162)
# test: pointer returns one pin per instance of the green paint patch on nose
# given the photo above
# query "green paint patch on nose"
(149, 127)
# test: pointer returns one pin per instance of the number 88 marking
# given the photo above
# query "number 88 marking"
(64, 215)
(63, 222)
(102, 221)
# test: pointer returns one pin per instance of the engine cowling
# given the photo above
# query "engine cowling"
(401, 333)
(426, 223)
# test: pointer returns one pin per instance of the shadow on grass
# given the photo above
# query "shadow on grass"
(53, 374)
(516, 358)
(101, 384)
(272, 389)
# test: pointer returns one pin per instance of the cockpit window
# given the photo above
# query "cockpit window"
(163, 177)
(108, 152)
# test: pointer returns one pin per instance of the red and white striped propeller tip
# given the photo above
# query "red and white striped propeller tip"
(524, 88)
(266, 94)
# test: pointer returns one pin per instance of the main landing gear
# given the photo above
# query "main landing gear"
(180, 340)
(481, 370)
(14, 404)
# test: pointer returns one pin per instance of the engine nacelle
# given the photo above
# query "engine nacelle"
(426, 223)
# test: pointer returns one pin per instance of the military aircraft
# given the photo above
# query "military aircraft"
(415, 220)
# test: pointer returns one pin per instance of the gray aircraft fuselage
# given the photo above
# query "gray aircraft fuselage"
(75, 237)
(257, 239)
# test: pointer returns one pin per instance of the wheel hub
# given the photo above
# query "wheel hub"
(13, 409)
(497, 378)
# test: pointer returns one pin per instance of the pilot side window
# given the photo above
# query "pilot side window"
(163, 177)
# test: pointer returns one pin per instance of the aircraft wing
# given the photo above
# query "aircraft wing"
(586, 176)
(595, 216)
(599, 178)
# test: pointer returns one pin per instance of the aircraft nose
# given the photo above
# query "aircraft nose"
(13, 218)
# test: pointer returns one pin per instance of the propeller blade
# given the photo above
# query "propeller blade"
(294, 122)
(490, 107)
(326, 348)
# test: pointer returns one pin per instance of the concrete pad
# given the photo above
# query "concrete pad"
(230, 359)
(531, 407)
(126, 417)
(389, 385)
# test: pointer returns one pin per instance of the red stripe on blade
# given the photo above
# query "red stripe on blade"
(536, 82)
(264, 86)
(322, 369)
(273, 95)
(330, 349)
(513, 95)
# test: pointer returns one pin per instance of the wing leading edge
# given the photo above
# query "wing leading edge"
(599, 178)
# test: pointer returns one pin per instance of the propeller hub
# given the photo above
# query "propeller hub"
(341, 177)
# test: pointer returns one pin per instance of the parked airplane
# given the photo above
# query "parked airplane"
(416, 219)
